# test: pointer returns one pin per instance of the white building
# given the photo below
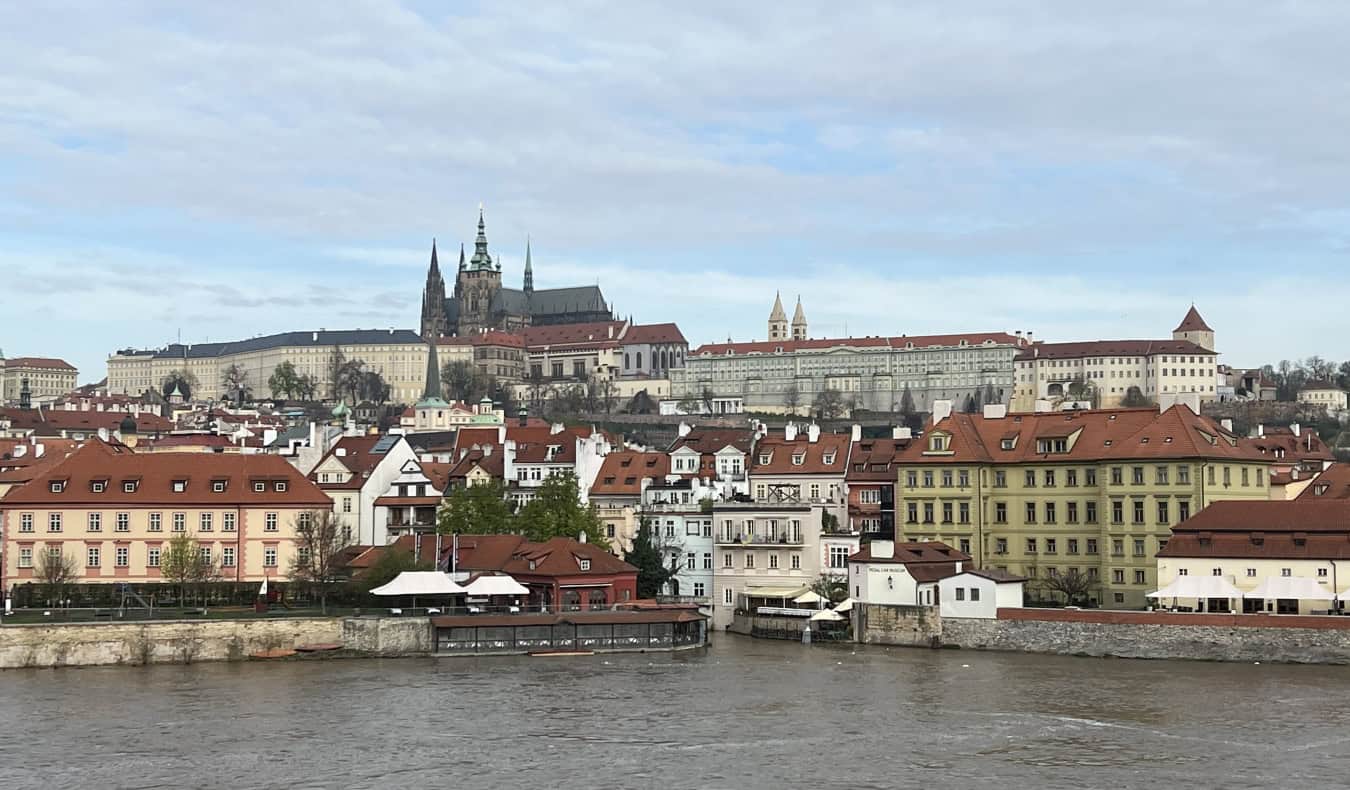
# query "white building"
(1323, 393)
(675, 511)
(902, 574)
(355, 472)
(979, 594)
(763, 550)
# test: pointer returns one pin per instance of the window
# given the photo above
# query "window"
(1031, 513)
(912, 479)
(179, 522)
(1117, 475)
(698, 589)
(1031, 545)
(963, 512)
(1071, 513)
(1261, 477)
(1091, 545)
(95, 522)
(928, 512)
(1251, 573)
(1072, 545)
(773, 561)
(205, 522)
(963, 478)
(218, 486)
(178, 486)
(1286, 572)
(152, 557)
(129, 486)
(1118, 597)
(269, 522)
(57, 486)
(122, 522)
(964, 545)
(270, 556)
(1031, 478)
(227, 556)
(927, 479)
(1000, 545)
(25, 557)
(726, 595)
(946, 512)
(1118, 576)
(974, 594)
(93, 557)
(815, 490)
(1049, 512)
(227, 522)
(1138, 511)
(1117, 548)
(1051, 546)
(1209, 475)
(1000, 479)
(1183, 572)
(26, 522)
(1090, 512)
(749, 559)
(690, 561)
(960, 593)
(1071, 477)
(347, 504)
(1162, 512)
(1183, 475)
(838, 556)
(1216, 571)
(584, 564)
(707, 560)
(1090, 477)
(1138, 577)
(1183, 509)
(156, 523)
(796, 562)
(1049, 478)
(259, 486)
(912, 512)
(946, 478)
(53, 522)
(1137, 475)
(97, 486)
(1322, 572)
(1000, 512)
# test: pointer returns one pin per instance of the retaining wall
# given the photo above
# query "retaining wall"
(916, 626)
(388, 636)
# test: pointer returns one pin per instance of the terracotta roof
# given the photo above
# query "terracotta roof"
(1333, 483)
(596, 333)
(48, 363)
(493, 337)
(916, 551)
(653, 333)
(52, 421)
(1192, 322)
(825, 456)
(1111, 348)
(1307, 446)
(1319, 385)
(438, 473)
(494, 465)
(155, 473)
(1298, 529)
(872, 460)
(1104, 434)
(357, 456)
(710, 440)
(901, 342)
(512, 554)
(622, 472)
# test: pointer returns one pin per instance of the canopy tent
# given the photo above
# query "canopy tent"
(845, 605)
(1198, 587)
(810, 596)
(419, 583)
(785, 593)
(487, 586)
(828, 615)
(1290, 587)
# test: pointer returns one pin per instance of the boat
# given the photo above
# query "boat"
(276, 652)
(322, 647)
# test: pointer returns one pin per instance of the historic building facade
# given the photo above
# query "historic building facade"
(47, 378)
(479, 302)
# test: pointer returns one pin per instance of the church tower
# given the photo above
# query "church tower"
(434, 323)
(778, 323)
(799, 322)
(529, 269)
(477, 285)
(1194, 329)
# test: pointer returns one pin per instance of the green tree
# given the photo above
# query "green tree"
(235, 380)
(464, 381)
(284, 381)
(306, 387)
(831, 587)
(350, 380)
(373, 387)
(648, 556)
(556, 511)
(1076, 587)
(181, 379)
(477, 510)
(1136, 399)
(319, 541)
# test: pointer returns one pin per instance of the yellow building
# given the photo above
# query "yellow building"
(398, 355)
(48, 379)
(1093, 491)
(113, 511)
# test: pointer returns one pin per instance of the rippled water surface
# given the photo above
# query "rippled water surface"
(743, 714)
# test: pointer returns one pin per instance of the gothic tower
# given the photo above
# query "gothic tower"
(434, 322)
(529, 269)
(799, 322)
(778, 323)
(477, 285)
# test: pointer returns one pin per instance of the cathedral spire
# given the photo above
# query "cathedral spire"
(431, 395)
(529, 268)
(435, 267)
(461, 255)
(481, 260)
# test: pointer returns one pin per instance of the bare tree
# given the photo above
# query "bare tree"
(1072, 584)
(319, 541)
(829, 404)
(792, 398)
(235, 381)
(57, 571)
(185, 565)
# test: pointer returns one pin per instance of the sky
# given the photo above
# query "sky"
(216, 171)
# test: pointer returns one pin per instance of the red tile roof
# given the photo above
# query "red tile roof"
(493, 337)
(1192, 322)
(1111, 348)
(155, 473)
(710, 440)
(653, 333)
(872, 460)
(356, 456)
(38, 362)
(918, 551)
(825, 456)
(494, 464)
(1298, 529)
(47, 422)
(512, 554)
(903, 341)
(1333, 483)
(622, 472)
(596, 333)
(1283, 445)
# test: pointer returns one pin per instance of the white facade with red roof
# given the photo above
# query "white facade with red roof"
(355, 472)
(47, 378)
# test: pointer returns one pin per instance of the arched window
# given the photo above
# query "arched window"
(626, 361)
(639, 360)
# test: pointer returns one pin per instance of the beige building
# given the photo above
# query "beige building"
(1323, 393)
(1105, 372)
(113, 512)
(48, 379)
(398, 355)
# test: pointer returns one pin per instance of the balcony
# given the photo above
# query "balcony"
(759, 540)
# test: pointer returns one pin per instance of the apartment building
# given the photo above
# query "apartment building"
(1093, 491)
(802, 465)
(765, 550)
(48, 379)
(617, 492)
(113, 510)
(354, 473)
(683, 529)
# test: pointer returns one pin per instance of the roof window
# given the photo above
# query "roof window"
(178, 486)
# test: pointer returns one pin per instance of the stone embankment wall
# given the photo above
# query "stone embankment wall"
(388, 636)
(916, 626)
(164, 642)
(1294, 639)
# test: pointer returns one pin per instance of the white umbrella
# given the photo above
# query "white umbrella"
(262, 589)
(487, 586)
(827, 614)
(809, 596)
(845, 605)
(1296, 587)
(1198, 587)
(419, 583)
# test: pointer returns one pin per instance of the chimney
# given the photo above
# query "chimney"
(1041, 405)
(790, 431)
(314, 337)
(995, 411)
(1227, 424)
(487, 450)
(812, 433)
(942, 409)
(581, 537)
(501, 433)
(857, 432)
(1029, 337)
(1260, 431)
(555, 428)
(1295, 429)
(882, 549)
(685, 428)
(901, 432)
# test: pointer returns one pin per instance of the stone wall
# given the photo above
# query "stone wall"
(1314, 640)
(166, 642)
(915, 626)
(388, 636)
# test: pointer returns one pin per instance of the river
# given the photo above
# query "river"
(743, 714)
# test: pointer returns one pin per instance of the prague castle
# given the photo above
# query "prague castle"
(481, 303)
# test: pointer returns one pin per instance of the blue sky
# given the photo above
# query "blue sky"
(1077, 169)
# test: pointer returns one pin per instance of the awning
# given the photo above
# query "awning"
(1198, 587)
(419, 583)
(845, 605)
(810, 596)
(827, 614)
(1296, 587)
(774, 592)
(485, 586)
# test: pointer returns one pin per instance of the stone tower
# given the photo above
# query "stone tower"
(434, 321)
(799, 322)
(477, 285)
(1194, 329)
(778, 323)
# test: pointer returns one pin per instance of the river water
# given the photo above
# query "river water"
(742, 714)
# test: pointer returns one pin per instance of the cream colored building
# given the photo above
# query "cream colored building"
(114, 511)
(398, 355)
(1110, 369)
(1323, 394)
(48, 379)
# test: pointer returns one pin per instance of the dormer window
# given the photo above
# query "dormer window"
(1007, 444)
(585, 565)
(765, 458)
(280, 487)
(828, 459)
(218, 486)
(58, 486)
(128, 486)
(98, 486)
(937, 443)
(798, 459)
(179, 486)
(259, 487)
(531, 564)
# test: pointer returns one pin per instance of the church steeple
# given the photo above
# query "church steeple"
(431, 394)
(529, 268)
(778, 323)
(799, 322)
(461, 256)
(434, 321)
(481, 260)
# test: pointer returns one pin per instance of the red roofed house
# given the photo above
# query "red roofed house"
(356, 471)
(902, 574)
(617, 490)
(47, 379)
(112, 510)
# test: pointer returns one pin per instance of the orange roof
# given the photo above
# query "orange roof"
(1112, 348)
(598, 332)
(778, 456)
(153, 476)
(357, 457)
(48, 363)
(903, 341)
(42, 421)
(654, 333)
(1332, 483)
(872, 460)
(1297, 529)
(622, 472)
(1192, 322)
